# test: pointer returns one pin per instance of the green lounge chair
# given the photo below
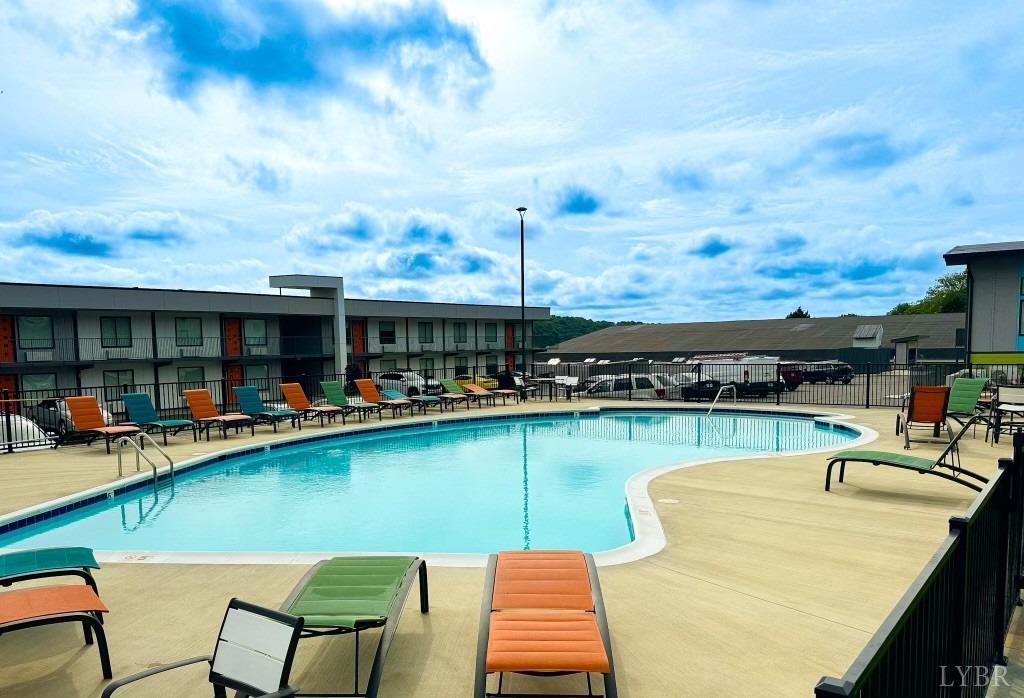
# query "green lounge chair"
(23, 565)
(924, 466)
(421, 401)
(963, 399)
(251, 404)
(334, 392)
(141, 411)
(351, 594)
(455, 391)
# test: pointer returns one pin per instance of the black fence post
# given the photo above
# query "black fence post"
(867, 388)
(629, 391)
(778, 385)
(8, 422)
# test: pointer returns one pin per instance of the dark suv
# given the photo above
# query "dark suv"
(828, 372)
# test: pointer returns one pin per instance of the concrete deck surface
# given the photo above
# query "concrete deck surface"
(766, 584)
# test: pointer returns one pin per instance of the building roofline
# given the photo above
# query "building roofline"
(962, 254)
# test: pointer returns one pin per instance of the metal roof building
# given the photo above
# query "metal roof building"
(853, 338)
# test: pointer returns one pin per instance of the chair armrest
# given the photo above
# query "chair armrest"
(114, 685)
(283, 693)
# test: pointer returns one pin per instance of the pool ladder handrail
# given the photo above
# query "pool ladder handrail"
(143, 437)
(731, 388)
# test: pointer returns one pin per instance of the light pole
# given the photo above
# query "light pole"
(522, 294)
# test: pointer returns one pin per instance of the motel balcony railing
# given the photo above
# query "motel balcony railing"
(92, 349)
(401, 344)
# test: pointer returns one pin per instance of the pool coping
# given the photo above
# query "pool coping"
(648, 534)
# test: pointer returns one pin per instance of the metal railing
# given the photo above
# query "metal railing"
(946, 635)
(90, 349)
(140, 454)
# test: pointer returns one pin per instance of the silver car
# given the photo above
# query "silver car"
(52, 415)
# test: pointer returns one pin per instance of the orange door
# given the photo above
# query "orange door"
(6, 339)
(10, 384)
(234, 375)
(359, 336)
(232, 336)
(510, 346)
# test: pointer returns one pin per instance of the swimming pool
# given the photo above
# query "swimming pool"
(474, 486)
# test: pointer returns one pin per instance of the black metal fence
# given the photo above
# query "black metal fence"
(946, 635)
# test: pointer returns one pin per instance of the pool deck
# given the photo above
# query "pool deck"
(766, 584)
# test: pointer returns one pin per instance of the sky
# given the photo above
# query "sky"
(681, 160)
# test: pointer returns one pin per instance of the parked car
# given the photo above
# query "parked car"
(23, 431)
(700, 389)
(625, 386)
(828, 372)
(792, 375)
(752, 375)
(52, 415)
(483, 381)
(408, 382)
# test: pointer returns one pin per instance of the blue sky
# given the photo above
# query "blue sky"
(681, 160)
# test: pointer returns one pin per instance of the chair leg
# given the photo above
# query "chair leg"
(828, 476)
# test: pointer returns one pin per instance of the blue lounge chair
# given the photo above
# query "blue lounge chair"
(251, 404)
(141, 411)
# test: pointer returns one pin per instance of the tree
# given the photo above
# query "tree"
(799, 312)
(947, 295)
(560, 328)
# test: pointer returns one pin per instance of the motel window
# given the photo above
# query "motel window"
(115, 381)
(461, 333)
(426, 332)
(427, 367)
(188, 332)
(491, 360)
(256, 372)
(461, 364)
(348, 333)
(38, 385)
(115, 332)
(1020, 319)
(255, 331)
(190, 377)
(35, 332)
(387, 332)
(388, 364)
(491, 332)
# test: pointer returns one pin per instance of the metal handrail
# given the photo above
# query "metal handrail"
(130, 440)
(730, 387)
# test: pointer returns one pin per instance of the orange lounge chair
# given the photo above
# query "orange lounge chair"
(368, 391)
(89, 424)
(71, 603)
(205, 414)
(927, 408)
(542, 615)
(296, 398)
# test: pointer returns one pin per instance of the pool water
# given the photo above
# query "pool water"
(535, 482)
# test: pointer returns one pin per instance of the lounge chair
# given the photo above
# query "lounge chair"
(89, 424)
(369, 393)
(205, 413)
(543, 614)
(296, 398)
(455, 390)
(523, 387)
(481, 393)
(141, 411)
(251, 404)
(924, 466)
(421, 401)
(926, 408)
(65, 603)
(454, 394)
(334, 392)
(253, 654)
(351, 594)
(963, 399)
(43, 563)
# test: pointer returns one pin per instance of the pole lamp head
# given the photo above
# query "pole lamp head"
(522, 212)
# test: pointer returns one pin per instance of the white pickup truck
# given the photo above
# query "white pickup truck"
(752, 375)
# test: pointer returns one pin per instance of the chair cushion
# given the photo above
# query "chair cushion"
(351, 591)
(545, 641)
(28, 561)
(542, 579)
(25, 604)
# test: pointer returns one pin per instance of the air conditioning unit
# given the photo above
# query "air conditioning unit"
(35, 355)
